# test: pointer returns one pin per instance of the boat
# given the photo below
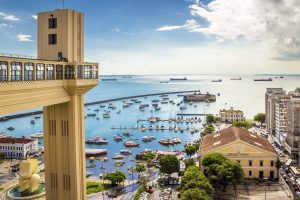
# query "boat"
(166, 141)
(146, 139)
(96, 140)
(155, 100)
(119, 111)
(217, 80)
(182, 107)
(176, 140)
(91, 114)
(131, 144)
(88, 174)
(126, 134)
(106, 115)
(97, 110)
(236, 79)
(164, 102)
(145, 105)
(32, 122)
(281, 77)
(37, 135)
(11, 128)
(141, 108)
(118, 138)
(95, 152)
(126, 105)
(102, 106)
(119, 163)
(178, 79)
(164, 82)
(112, 106)
(263, 79)
(109, 79)
(125, 152)
(37, 116)
(143, 129)
(117, 156)
(157, 108)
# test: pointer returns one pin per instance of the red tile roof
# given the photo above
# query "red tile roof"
(10, 140)
(229, 135)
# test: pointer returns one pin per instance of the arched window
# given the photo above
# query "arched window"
(59, 72)
(88, 71)
(50, 71)
(3, 71)
(40, 71)
(95, 72)
(28, 71)
(15, 71)
(69, 73)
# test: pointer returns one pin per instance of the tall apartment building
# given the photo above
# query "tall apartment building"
(280, 119)
(293, 124)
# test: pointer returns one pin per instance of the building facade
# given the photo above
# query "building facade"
(231, 115)
(18, 148)
(255, 154)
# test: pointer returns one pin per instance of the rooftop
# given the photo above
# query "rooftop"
(229, 135)
(10, 140)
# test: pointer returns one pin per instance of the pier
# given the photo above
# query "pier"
(5, 118)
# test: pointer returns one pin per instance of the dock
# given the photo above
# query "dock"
(39, 112)
(193, 114)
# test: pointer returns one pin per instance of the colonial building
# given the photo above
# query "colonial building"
(18, 148)
(231, 115)
(255, 154)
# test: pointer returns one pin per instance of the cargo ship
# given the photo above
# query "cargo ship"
(263, 79)
(178, 79)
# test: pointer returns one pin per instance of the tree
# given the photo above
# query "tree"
(194, 194)
(221, 170)
(189, 162)
(140, 168)
(260, 117)
(2, 155)
(242, 124)
(115, 177)
(148, 157)
(278, 165)
(169, 164)
(210, 119)
(208, 130)
(190, 150)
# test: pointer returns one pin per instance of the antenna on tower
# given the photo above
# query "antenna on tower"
(63, 4)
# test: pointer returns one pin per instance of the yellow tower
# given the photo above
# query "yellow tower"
(56, 81)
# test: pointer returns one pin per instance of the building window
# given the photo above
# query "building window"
(52, 39)
(79, 71)
(261, 163)
(238, 161)
(88, 71)
(59, 71)
(272, 163)
(52, 23)
(3, 71)
(69, 73)
(50, 71)
(28, 71)
(250, 162)
(95, 72)
(15, 71)
(40, 71)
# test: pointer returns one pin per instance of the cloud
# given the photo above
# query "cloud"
(275, 23)
(34, 17)
(8, 17)
(24, 38)
(190, 25)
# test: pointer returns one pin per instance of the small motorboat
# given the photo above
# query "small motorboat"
(118, 138)
(125, 152)
(117, 156)
(11, 128)
(131, 144)
(146, 139)
(32, 122)
(119, 163)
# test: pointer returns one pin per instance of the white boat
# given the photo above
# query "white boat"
(126, 105)
(106, 115)
(117, 156)
(125, 152)
(37, 135)
(146, 139)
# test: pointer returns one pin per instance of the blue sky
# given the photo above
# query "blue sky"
(170, 36)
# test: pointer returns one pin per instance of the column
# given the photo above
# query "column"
(65, 150)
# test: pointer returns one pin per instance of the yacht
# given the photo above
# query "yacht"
(96, 140)
(146, 139)
(125, 152)
(131, 144)
(118, 138)
(37, 135)
(117, 156)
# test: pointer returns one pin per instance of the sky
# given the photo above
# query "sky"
(171, 36)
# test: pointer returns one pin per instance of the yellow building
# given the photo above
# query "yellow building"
(255, 154)
(231, 115)
(57, 81)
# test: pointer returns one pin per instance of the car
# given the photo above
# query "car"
(296, 188)
(281, 155)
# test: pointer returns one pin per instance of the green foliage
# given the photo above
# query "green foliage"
(115, 177)
(2, 155)
(169, 164)
(242, 124)
(94, 187)
(149, 156)
(140, 168)
(189, 162)
(210, 119)
(208, 130)
(140, 190)
(260, 117)
(194, 179)
(190, 150)
(220, 170)
(194, 194)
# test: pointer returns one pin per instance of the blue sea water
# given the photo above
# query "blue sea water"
(245, 95)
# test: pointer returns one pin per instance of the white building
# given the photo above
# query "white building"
(18, 148)
(231, 115)
(280, 119)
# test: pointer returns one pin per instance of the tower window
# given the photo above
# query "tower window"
(52, 38)
(53, 23)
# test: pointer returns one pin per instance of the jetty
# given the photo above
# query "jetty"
(20, 115)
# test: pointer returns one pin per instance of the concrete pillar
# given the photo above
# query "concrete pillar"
(64, 139)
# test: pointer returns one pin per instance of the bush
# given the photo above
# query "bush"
(189, 162)
(242, 124)
(140, 190)
(94, 187)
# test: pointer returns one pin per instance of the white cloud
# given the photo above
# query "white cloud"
(9, 17)
(34, 17)
(24, 38)
(190, 25)
(275, 23)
